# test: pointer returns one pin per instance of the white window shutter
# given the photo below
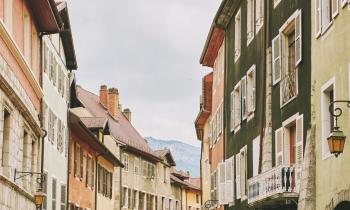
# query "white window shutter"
(222, 183)
(299, 140)
(256, 156)
(279, 147)
(229, 182)
(233, 179)
(232, 105)
(244, 97)
(298, 39)
(326, 14)
(259, 17)
(238, 176)
(276, 59)
(335, 8)
(253, 94)
(343, 3)
(243, 170)
(318, 18)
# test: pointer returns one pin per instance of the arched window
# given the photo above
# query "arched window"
(343, 206)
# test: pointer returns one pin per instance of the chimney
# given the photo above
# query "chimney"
(103, 95)
(127, 114)
(113, 101)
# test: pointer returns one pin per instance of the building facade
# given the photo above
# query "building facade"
(202, 130)
(266, 101)
(21, 92)
(57, 61)
(330, 82)
(213, 56)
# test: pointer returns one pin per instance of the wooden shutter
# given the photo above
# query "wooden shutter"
(318, 18)
(81, 163)
(238, 176)
(256, 156)
(75, 160)
(298, 38)
(276, 59)
(335, 8)
(243, 170)
(279, 147)
(259, 17)
(244, 97)
(229, 180)
(299, 140)
(232, 110)
(221, 183)
(88, 165)
(93, 173)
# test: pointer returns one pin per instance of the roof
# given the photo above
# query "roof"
(206, 105)
(217, 32)
(166, 153)
(67, 37)
(195, 182)
(120, 127)
(91, 139)
(46, 15)
(94, 122)
(176, 180)
(179, 173)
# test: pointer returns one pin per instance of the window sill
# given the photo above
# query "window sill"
(237, 128)
(250, 116)
(289, 101)
(327, 28)
(249, 40)
(237, 57)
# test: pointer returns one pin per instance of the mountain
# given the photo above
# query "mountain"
(187, 157)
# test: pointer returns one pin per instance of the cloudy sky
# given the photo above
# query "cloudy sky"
(149, 50)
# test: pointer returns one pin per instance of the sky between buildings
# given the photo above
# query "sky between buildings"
(149, 50)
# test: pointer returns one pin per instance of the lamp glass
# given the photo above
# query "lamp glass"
(336, 141)
(39, 198)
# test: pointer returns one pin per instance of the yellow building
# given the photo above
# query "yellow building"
(193, 194)
(330, 82)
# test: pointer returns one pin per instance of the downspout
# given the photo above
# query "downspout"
(122, 148)
(41, 114)
(68, 141)
(263, 111)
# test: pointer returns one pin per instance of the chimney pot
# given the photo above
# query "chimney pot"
(127, 114)
(103, 95)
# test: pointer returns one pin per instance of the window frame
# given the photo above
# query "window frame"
(238, 35)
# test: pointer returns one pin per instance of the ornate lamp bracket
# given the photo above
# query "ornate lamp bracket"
(337, 112)
(21, 174)
(210, 203)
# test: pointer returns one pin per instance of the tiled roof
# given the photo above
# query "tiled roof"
(179, 173)
(165, 152)
(195, 181)
(94, 122)
(119, 126)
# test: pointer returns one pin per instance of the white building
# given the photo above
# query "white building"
(58, 61)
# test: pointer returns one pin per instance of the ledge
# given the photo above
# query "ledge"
(16, 188)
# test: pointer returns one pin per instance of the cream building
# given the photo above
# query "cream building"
(330, 82)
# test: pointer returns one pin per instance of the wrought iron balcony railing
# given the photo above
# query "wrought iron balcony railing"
(289, 86)
(281, 180)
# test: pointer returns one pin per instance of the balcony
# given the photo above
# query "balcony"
(274, 187)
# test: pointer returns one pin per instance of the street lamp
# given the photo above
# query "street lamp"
(39, 199)
(336, 139)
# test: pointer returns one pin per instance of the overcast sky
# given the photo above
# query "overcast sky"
(149, 50)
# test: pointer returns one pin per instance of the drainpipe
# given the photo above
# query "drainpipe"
(68, 141)
(121, 149)
(41, 113)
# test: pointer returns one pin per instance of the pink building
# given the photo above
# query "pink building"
(21, 25)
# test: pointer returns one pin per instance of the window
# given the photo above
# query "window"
(259, 15)
(44, 190)
(326, 11)
(144, 168)
(25, 154)
(141, 201)
(8, 14)
(6, 138)
(135, 200)
(229, 179)
(125, 197)
(243, 172)
(256, 155)
(289, 141)
(105, 182)
(54, 192)
(136, 166)
(250, 21)
(63, 197)
(327, 96)
(244, 98)
(237, 106)
(149, 202)
(287, 54)
(78, 161)
(197, 198)
(213, 186)
(221, 186)
(27, 37)
(251, 91)
(237, 35)
(164, 174)
(60, 135)
(126, 162)
(90, 171)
